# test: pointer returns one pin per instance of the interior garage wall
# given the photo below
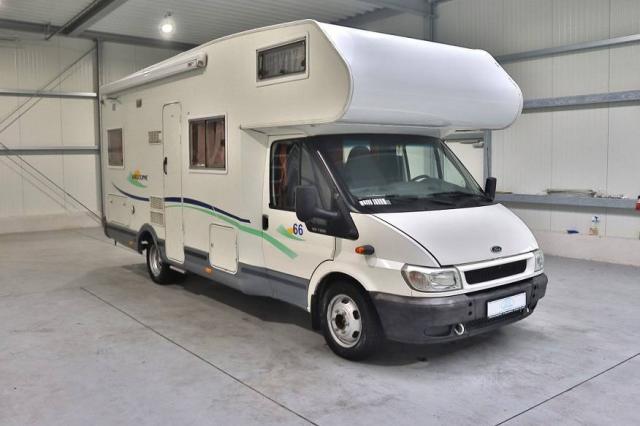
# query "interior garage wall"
(27, 200)
(583, 148)
(401, 24)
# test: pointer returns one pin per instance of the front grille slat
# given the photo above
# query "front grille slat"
(495, 272)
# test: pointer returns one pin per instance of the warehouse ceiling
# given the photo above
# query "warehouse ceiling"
(194, 21)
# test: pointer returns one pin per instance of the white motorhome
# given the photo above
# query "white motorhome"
(305, 162)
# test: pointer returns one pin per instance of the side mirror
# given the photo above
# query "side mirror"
(490, 187)
(307, 207)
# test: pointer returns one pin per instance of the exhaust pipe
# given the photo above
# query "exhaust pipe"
(458, 329)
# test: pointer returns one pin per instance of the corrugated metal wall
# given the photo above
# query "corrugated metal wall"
(587, 148)
(31, 63)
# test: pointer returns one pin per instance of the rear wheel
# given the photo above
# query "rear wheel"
(349, 322)
(159, 271)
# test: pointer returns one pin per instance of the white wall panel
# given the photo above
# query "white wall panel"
(535, 77)
(403, 24)
(77, 120)
(38, 62)
(579, 154)
(474, 24)
(10, 173)
(623, 224)
(623, 171)
(576, 21)
(32, 63)
(471, 157)
(80, 181)
(41, 125)
(537, 218)
(528, 24)
(40, 197)
(564, 218)
(624, 68)
(581, 73)
(526, 151)
(625, 17)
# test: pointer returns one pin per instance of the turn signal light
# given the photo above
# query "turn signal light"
(366, 250)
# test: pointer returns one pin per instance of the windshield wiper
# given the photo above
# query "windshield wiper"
(458, 195)
(454, 194)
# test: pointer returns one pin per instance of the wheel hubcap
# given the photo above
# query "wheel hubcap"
(345, 322)
(155, 263)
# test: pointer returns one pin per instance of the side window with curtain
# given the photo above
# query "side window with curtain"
(115, 148)
(207, 148)
(291, 165)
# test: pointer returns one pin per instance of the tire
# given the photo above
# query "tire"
(159, 271)
(350, 323)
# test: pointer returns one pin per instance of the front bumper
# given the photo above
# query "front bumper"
(432, 319)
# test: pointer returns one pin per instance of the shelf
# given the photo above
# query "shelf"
(567, 200)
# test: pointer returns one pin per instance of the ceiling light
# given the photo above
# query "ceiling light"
(167, 25)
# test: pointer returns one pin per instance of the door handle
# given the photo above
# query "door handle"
(164, 165)
(265, 222)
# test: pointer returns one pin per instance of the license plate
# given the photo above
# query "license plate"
(507, 305)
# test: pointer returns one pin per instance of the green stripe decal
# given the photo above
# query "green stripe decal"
(244, 228)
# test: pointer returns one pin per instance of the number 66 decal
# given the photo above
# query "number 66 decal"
(298, 229)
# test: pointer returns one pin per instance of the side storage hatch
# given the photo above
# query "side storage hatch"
(223, 248)
(118, 209)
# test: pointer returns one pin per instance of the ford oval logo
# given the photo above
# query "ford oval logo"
(496, 249)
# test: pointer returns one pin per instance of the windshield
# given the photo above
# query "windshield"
(399, 172)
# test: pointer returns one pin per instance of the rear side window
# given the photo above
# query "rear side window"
(207, 144)
(115, 148)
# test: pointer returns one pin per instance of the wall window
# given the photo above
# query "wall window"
(207, 144)
(115, 148)
(292, 165)
(283, 60)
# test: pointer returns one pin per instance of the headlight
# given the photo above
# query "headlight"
(431, 279)
(539, 259)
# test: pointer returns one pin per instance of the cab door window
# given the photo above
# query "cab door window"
(292, 165)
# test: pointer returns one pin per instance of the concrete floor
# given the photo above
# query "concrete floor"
(87, 338)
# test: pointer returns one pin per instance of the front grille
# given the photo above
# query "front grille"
(495, 272)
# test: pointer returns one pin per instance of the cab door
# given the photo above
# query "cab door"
(291, 252)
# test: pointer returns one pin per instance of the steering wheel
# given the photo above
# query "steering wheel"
(420, 178)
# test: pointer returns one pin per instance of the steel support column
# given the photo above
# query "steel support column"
(97, 82)
(486, 151)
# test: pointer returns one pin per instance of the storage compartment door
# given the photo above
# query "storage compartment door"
(118, 209)
(223, 248)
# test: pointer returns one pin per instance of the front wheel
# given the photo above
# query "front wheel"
(349, 321)
(159, 271)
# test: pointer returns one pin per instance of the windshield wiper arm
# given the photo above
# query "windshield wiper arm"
(459, 194)
(454, 194)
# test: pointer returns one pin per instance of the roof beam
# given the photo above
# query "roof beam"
(416, 7)
(90, 15)
(43, 29)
